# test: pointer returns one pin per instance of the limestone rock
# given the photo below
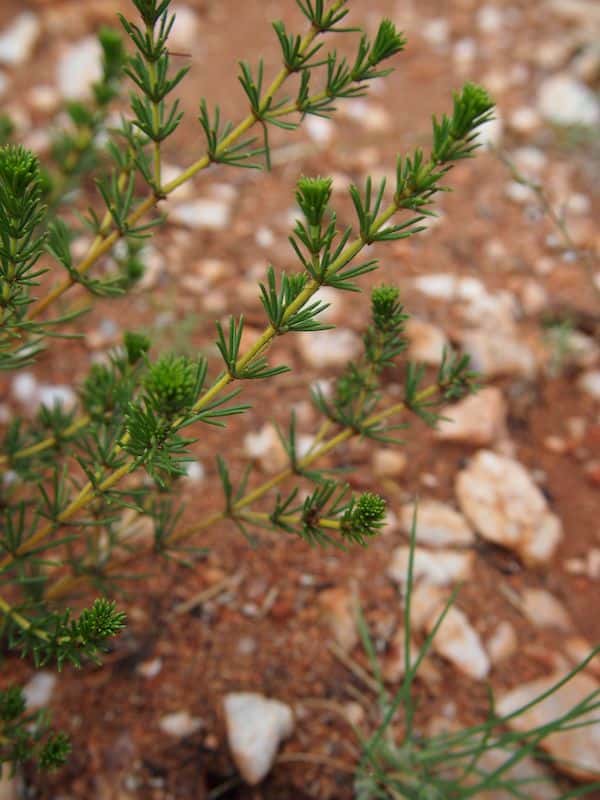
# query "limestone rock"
(458, 642)
(79, 67)
(426, 342)
(564, 100)
(440, 567)
(577, 751)
(256, 727)
(500, 499)
(437, 524)
(18, 40)
(543, 610)
(338, 609)
(478, 419)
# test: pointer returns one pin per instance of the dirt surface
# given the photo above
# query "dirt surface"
(266, 632)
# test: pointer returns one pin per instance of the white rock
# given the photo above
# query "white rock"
(440, 286)
(320, 130)
(564, 100)
(264, 237)
(533, 296)
(79, 67)
(498, 354)
(530, 160)
(265, 447)
(577, 751)
(426, 342)
(525, 772)
(329, 348)
(499, 497)
(339, 611)
(202, 213)
(18, 40)
(464, 52)
(478, 419)
(186, 29)
(44, 98)
(427, 602)
(389, 463)
(179, 724)
(458, 642)
(519, 193)
(394, 666)
(151, 668)
(524, 120)
(436, 31)
(502, 643)
(490, 19)
(372, 117)
(25, 388)
(439, 568)
(543, 610)
(57, 395)
(256, 727)
(589, 383)
(195, 472)
(490, 133)
(437, 524)
(38, 691)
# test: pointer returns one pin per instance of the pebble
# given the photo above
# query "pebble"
(498, 354)
(437, 524)
(265, 447)
(458, 642)
(25, 388)
(185, 33)
(438, 568)
(202, 214)
(478, 419)
(339, 611)
(589, 382)
(564, 100)
(543, 610)
(490, 133)
(19, 39)
(464, 53)
(38, 691)
(426, 342)
(180, 724)
(524, 120)
(502, 643)
(436, 31)
(577, 750)
(150, 669)
(325, 349)
(256, 726)
(320, 130)
(195, 472)
(489, 19)
(44, 99)
(389, 463)
(524, 772)
(61, 395)
(500, 499)
(79, 67)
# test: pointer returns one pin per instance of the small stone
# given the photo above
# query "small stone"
(389, 463)
(490, 19)
(426, 342)
(593, 564)
(458, 642)
(534, 298)
(589, 383)
(329, 348)
(25, 388)
(185, 33)
(202, 214)
(497, 354)
(576, 750)
(394, 666)
(195, 472)
(530, 161)
(436, 31)
(180, 724)
(440, 286)
(427, 602)
(524, 772)
(264, 237)
(256, 726)
(578, 650)
(502, 643)
(150, 669)
(499, 497)
(79, 67)
(51, 396)
(372, 117)
(524, 120)
(490, 133)
(320, 130)
(439, 568)
(543, 610)
(478, 419)
(38, 691)
(339, 611)
(519, 193)
(437, 524)
(266, 447)
(464, 52)
(19, 39)
(44, 99)
(564, 100)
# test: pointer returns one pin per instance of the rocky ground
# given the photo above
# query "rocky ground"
(508, 486)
